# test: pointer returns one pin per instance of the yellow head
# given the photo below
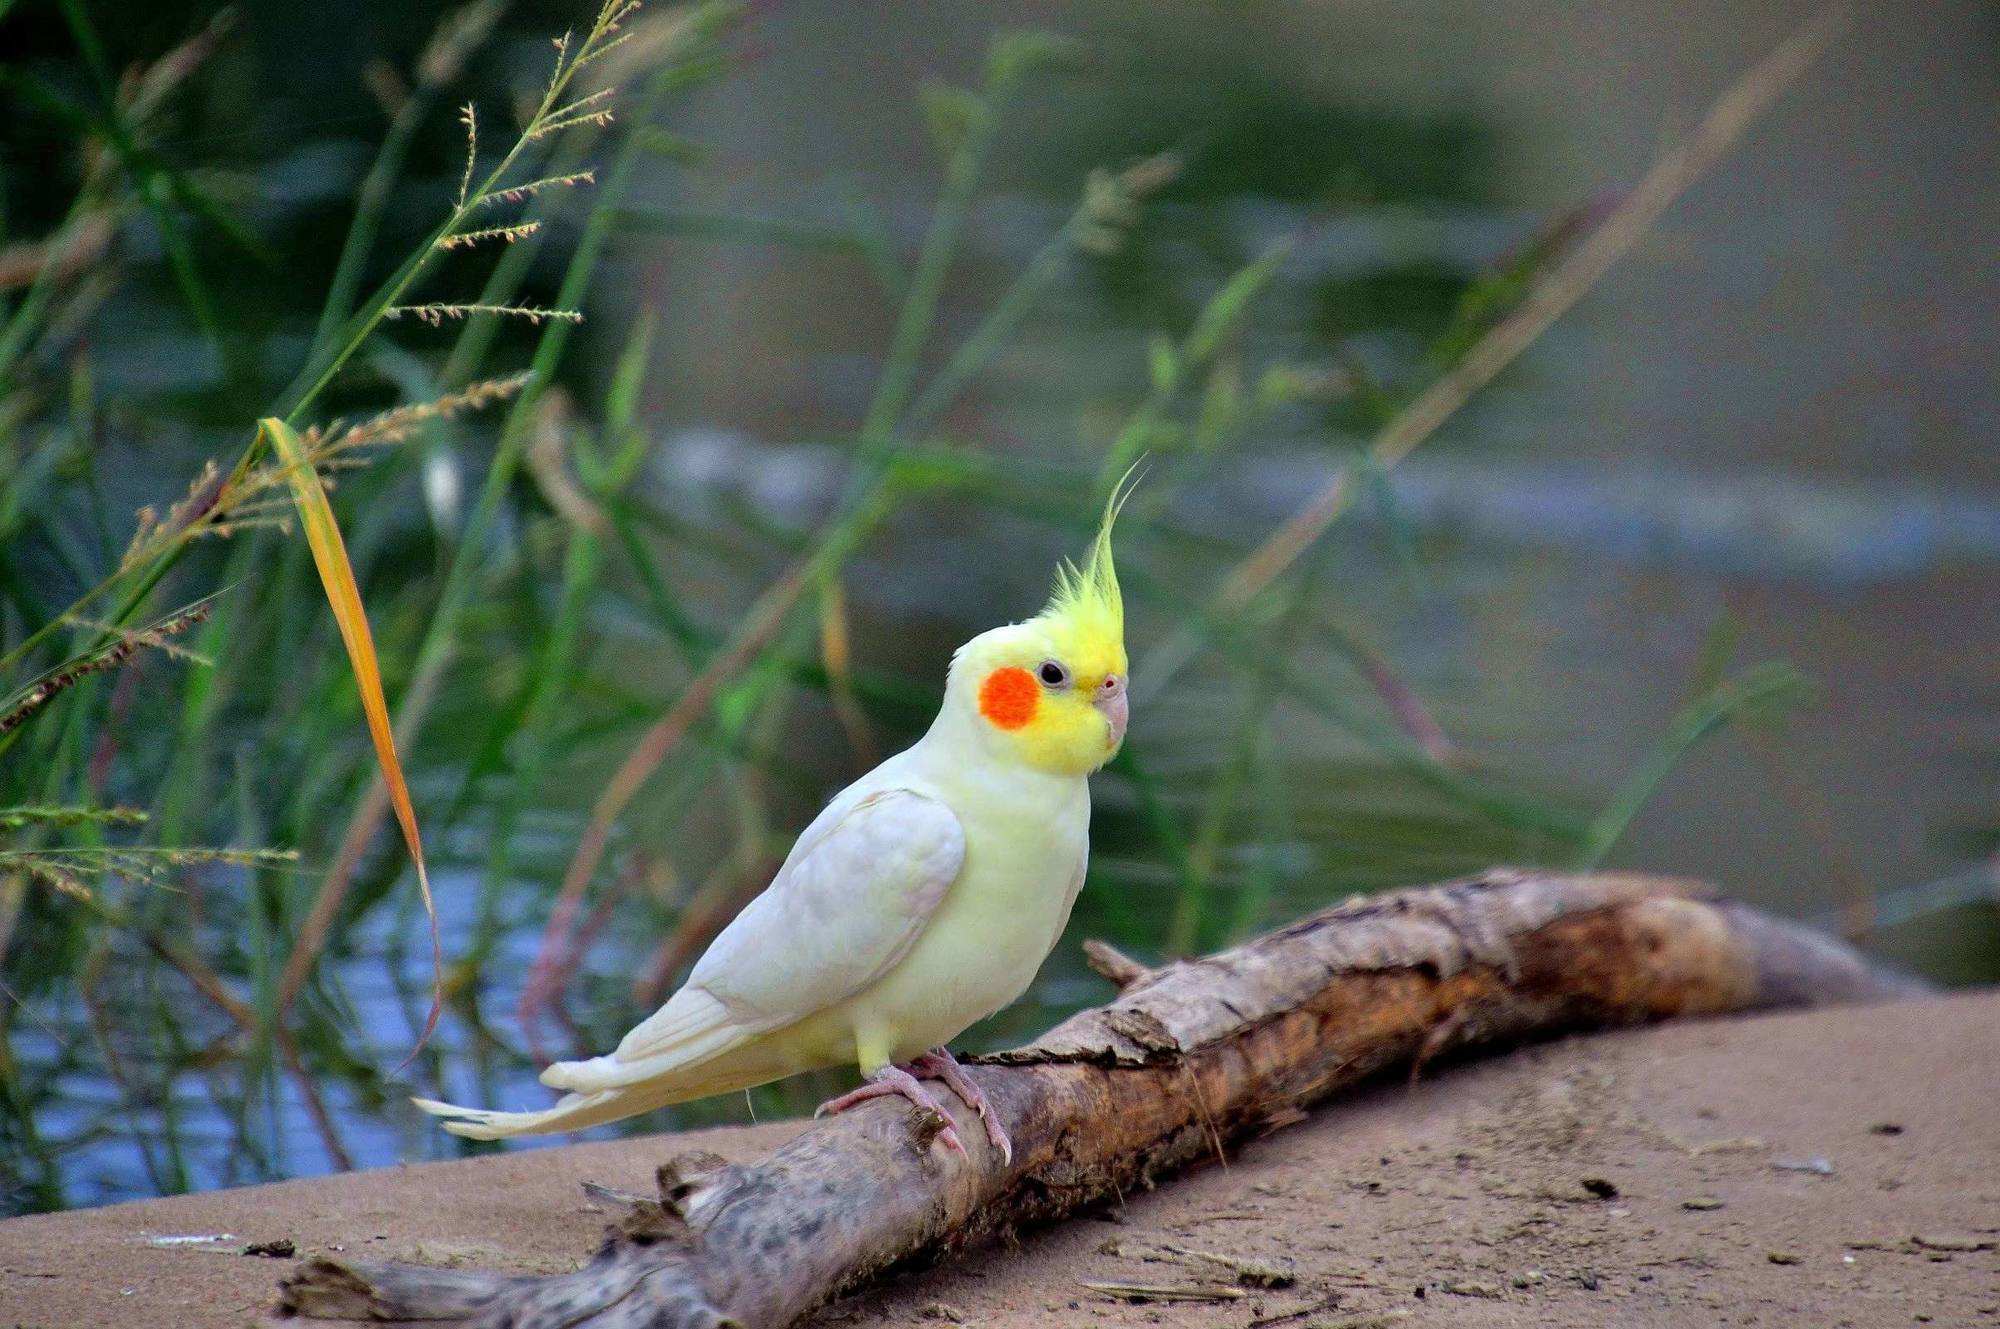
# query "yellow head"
(1050, 692)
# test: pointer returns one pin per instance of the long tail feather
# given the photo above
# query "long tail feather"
(675, 1056)
(689, 1030)
(573, 1112)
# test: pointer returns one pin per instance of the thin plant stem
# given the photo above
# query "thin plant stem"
(441, 635)
(919, 309)
(992, 333)
(1553, 295)
(322, 366)
(459, 33)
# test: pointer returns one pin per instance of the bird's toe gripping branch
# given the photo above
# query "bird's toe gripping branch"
(939, 1064)
(894, 1081)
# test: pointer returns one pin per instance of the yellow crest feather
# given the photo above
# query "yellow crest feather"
(1087, 599)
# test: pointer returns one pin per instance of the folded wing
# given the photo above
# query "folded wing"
(850, 901)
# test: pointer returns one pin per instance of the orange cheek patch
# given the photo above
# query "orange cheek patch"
(1008, 697)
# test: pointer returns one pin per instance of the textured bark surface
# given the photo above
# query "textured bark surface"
(1187, 1058)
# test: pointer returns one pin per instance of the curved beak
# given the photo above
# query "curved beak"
(1117, 709)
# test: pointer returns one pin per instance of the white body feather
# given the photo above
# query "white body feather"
(921, 900)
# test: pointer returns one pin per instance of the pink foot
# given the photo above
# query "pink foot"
(897, 1082)
(939, 1064)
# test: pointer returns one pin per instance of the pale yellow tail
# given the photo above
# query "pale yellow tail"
(676, 1055)
(572, 1112)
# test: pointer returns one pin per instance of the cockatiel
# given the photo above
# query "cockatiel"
(921, 900)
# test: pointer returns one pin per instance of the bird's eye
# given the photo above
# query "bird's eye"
(1053, 674)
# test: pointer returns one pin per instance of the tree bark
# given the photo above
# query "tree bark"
(1187, 1058)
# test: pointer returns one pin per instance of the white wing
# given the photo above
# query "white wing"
(850, 901)
(840, 914)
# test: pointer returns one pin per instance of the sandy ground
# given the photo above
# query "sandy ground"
(1836, 1168)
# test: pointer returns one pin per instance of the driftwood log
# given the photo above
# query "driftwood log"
(1187, 1058)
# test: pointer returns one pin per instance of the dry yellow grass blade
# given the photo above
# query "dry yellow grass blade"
(336, 574)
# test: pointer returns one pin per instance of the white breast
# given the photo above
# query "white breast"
(1026, 845)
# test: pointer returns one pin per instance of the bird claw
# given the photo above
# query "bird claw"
(939, 1064)
(947, 1135)
(895, 1082)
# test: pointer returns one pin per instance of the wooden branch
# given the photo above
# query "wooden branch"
(1187, 1058)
